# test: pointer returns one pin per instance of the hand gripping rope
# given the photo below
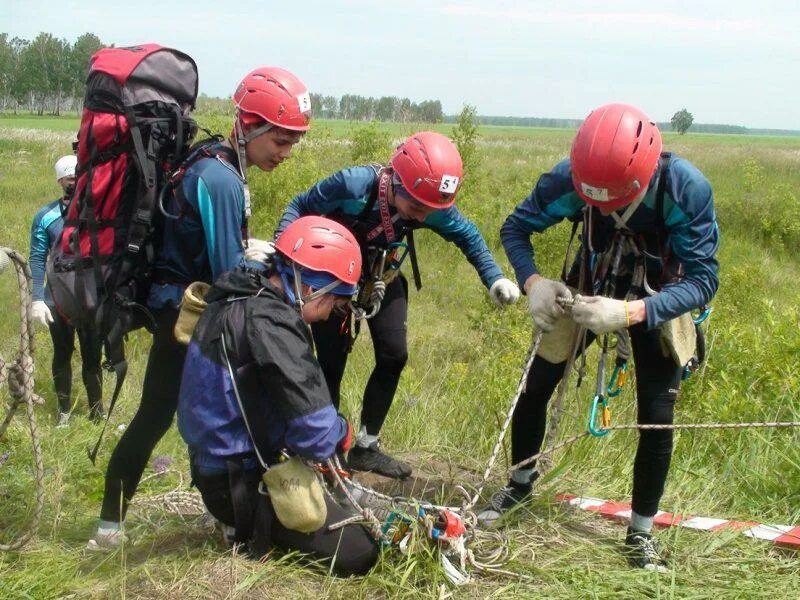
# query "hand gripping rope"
(20, 385)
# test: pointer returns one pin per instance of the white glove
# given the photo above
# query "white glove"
(259, 251)
(542, 303)
(504, 292)
(600, 314)
(41, 313)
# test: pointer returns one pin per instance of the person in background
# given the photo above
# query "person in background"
(382, 205)
(659, 210)
(46, 228)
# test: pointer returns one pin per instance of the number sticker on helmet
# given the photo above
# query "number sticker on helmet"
(449, 184)
(597, 194)
(304, 101)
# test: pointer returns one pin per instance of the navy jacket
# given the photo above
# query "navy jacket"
(689, 232)
(279, 380)
(206, 240)
(344, 195)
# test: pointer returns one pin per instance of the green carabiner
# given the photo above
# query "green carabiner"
(618, 378)
(606, 416)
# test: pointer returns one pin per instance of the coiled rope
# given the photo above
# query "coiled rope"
(19, 375)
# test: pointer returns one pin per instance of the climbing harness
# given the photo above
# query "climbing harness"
(19, 375)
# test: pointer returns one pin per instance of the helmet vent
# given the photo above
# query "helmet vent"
(636, 147)
(639, 129)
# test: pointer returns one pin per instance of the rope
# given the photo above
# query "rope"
(509, 415)
(19, 375)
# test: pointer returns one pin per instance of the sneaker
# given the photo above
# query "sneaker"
(504, 499)
(643, 552)
(63, 420)
(106, 540)
(373, 460)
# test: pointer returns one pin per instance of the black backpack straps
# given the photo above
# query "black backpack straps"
(412, 256)
(115, 356)
(663, 164)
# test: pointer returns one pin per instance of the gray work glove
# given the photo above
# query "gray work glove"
(600, 314)
(542, 305)
(504, 292)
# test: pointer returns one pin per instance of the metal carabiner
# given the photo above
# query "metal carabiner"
(619, 376)
(704, 314)
(601, 401)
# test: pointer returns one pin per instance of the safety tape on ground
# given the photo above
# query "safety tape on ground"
(781, 535)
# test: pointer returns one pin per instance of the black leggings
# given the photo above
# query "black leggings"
(351, 548)
(63, 336)
(157, 407)
(657, 382)
(390, 343)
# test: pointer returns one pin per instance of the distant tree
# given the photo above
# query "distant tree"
(681, 121)
(465, 134)
(330, 107)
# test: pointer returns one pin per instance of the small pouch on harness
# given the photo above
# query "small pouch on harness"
(556, 344)
(192, 307)
(679, 339)
(296, 495)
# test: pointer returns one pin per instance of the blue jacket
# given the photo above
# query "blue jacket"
(344, 195)
(206, 240)
(279, 380)
(45, 230)
(690, 232)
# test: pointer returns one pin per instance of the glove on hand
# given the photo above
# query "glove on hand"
(542, 304)
(346, 442)
(41, 313)
(504, 292)
(600, 314)
(259, 251)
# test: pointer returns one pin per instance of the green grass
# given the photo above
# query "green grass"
(464, 365)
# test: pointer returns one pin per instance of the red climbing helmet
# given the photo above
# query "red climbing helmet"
(429, 167)
(273, 95)
(323, 246)
(614, 155)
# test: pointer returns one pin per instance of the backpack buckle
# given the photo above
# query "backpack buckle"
(133, 248)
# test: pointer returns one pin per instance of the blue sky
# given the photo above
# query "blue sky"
(729, 62)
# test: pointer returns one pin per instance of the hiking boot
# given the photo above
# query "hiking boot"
(373, 460)
(503, 500)
(106, 540)
(643, 552)
(63, 420)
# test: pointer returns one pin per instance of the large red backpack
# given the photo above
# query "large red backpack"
(134, 130)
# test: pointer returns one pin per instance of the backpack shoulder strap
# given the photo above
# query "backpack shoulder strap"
(663, 164)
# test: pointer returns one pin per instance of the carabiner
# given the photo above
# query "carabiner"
(704, 314)
(605, 416)
(618, 378)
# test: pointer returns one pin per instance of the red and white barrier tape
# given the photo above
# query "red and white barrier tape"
(782, 535)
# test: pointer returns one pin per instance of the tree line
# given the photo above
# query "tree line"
(45, 75)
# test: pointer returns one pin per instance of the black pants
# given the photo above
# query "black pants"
(390, 343)
(657, 382)
(156, 411)
(63, 336)
(351, 549)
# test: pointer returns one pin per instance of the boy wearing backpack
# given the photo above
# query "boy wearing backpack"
(382, 205)
(46, 228)
(647, 258)
(203, 236)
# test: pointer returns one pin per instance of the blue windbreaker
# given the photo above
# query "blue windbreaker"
(690, 232)
(345, 194)
(45, 230)
(280, 382)
(206, 240)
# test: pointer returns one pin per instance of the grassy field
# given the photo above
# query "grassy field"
(465, 361)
